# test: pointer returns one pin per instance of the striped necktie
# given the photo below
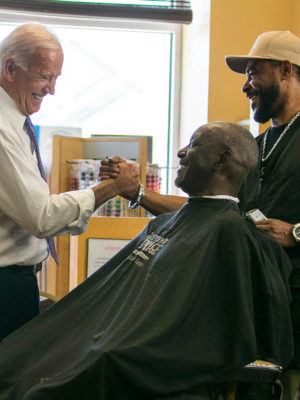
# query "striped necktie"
(29, 129)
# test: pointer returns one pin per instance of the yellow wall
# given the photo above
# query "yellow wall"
(234, 25)
(295, 23)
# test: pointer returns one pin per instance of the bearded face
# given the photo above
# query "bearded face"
(266, 103)
(263, 90)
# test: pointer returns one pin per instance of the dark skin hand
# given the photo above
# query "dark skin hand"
(110, 168)
(127, 180)
(279, 230)
(154, 202)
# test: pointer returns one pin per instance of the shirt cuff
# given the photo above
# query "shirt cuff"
(85, 199)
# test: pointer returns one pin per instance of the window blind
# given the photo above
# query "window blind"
(176, 11)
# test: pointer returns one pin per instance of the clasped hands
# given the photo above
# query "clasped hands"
(114, 168)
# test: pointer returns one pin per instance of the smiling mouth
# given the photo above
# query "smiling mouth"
(37, 97)
(253, 100)
(181, 167)
(182, 163)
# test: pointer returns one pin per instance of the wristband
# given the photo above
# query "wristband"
(139, 199)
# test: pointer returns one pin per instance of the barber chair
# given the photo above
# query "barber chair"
(258, 380)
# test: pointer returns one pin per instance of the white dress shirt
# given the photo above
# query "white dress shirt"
(28, 213)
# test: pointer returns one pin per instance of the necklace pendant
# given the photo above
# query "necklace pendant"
(261, 173)
(259, 186)
(260, 179)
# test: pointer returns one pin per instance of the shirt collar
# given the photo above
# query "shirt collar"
(12, 109)
(218, 196)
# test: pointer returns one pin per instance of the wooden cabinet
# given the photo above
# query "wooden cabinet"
(69, 148)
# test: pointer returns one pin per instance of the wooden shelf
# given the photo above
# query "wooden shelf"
(67, 148)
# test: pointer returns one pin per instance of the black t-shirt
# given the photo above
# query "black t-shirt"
(273, 136)
(278, 195)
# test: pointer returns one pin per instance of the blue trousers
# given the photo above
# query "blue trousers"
(19, 298)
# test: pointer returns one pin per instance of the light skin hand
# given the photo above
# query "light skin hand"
(279, 230)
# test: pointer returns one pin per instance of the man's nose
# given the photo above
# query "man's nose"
(51, 86)
(246, 86)
(182, 152)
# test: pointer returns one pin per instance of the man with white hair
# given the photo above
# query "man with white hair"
(31, 60)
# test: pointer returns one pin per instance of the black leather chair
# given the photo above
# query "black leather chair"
(258, 380)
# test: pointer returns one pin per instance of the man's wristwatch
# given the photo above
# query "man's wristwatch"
(139, 199)
(296, 233)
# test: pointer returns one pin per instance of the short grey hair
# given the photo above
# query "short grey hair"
(239, 142)
(22, 42)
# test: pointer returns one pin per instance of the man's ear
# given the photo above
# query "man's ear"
(224, 159)
(285, 68)
(9, 69)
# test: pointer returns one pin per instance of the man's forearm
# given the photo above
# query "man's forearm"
(104, 191)
(153, 202)
(158, 204)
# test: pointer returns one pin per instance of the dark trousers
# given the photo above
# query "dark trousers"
(19, 298)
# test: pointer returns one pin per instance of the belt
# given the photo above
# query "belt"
(35, 268)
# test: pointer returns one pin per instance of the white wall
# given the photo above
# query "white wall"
(194, 74)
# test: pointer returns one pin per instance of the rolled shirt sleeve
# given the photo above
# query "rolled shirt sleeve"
(66, 213)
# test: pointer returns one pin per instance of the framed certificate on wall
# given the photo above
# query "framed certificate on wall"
(102, 250)
(104, 238)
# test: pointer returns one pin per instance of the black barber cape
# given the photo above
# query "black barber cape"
(196, 296)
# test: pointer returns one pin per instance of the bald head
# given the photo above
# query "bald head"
(217, 159)
(24, 41)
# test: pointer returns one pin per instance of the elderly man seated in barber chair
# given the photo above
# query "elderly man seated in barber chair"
(179, 312)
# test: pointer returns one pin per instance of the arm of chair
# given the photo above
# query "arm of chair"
(258, 371)
(49, 296)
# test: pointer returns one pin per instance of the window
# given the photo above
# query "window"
(117, 79)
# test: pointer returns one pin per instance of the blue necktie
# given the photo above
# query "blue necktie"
(29, 129)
